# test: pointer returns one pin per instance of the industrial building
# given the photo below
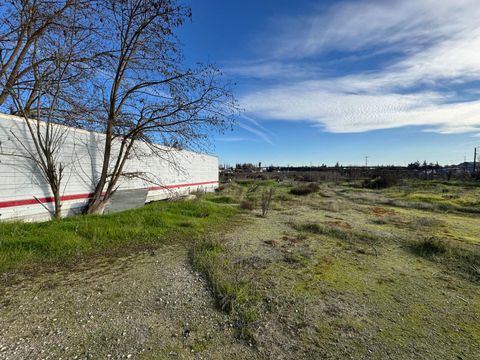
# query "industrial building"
(150, 174)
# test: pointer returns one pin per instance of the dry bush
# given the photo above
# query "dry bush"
(267, 195)
(247, 205)
(302, 190)
(380, 182)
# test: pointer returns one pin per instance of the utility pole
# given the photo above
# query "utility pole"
(366, 161)
(474, 160)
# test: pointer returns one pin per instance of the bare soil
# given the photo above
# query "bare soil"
(146, 306)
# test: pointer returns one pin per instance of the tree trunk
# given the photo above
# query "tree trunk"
(58, 205)
(96, 204)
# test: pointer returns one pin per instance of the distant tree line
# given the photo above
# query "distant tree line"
(417, 165)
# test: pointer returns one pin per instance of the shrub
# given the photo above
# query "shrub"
(429, 247)
(380, 182)
(303, 190)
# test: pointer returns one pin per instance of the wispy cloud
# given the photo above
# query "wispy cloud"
(253, 127)
(435, 52)
(232, 139)
(340, 112)
(265, 68)
(356, 25)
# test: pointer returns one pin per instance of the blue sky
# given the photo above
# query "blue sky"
(328, 81)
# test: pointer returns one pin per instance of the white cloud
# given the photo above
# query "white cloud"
(355, 25)
(340, 112)
(440, 45)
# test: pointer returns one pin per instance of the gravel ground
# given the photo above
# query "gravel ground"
(146, 306)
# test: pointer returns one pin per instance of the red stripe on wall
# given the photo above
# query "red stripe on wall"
(23, 202)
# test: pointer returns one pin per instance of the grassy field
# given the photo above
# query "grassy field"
(345, 272)
(33, 246)
(333, 271)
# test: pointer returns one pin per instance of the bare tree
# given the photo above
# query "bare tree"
(146, 94)
(23, 24)
(46, 98)
(130, 71)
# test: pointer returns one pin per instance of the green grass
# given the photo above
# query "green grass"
(231, 290)
(221, 199)
(441, 196)
(28, 245)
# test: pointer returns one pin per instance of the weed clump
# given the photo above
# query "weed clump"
(283, 197)
(427, 222)
(462, 258)
(230, 289)
(429, 247)
(303, 190)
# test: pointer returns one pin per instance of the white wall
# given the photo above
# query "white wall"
(21, 182)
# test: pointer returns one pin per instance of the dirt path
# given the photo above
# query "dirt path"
(146, 306)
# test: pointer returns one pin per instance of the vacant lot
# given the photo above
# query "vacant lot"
(333, 271)
(343, 272)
